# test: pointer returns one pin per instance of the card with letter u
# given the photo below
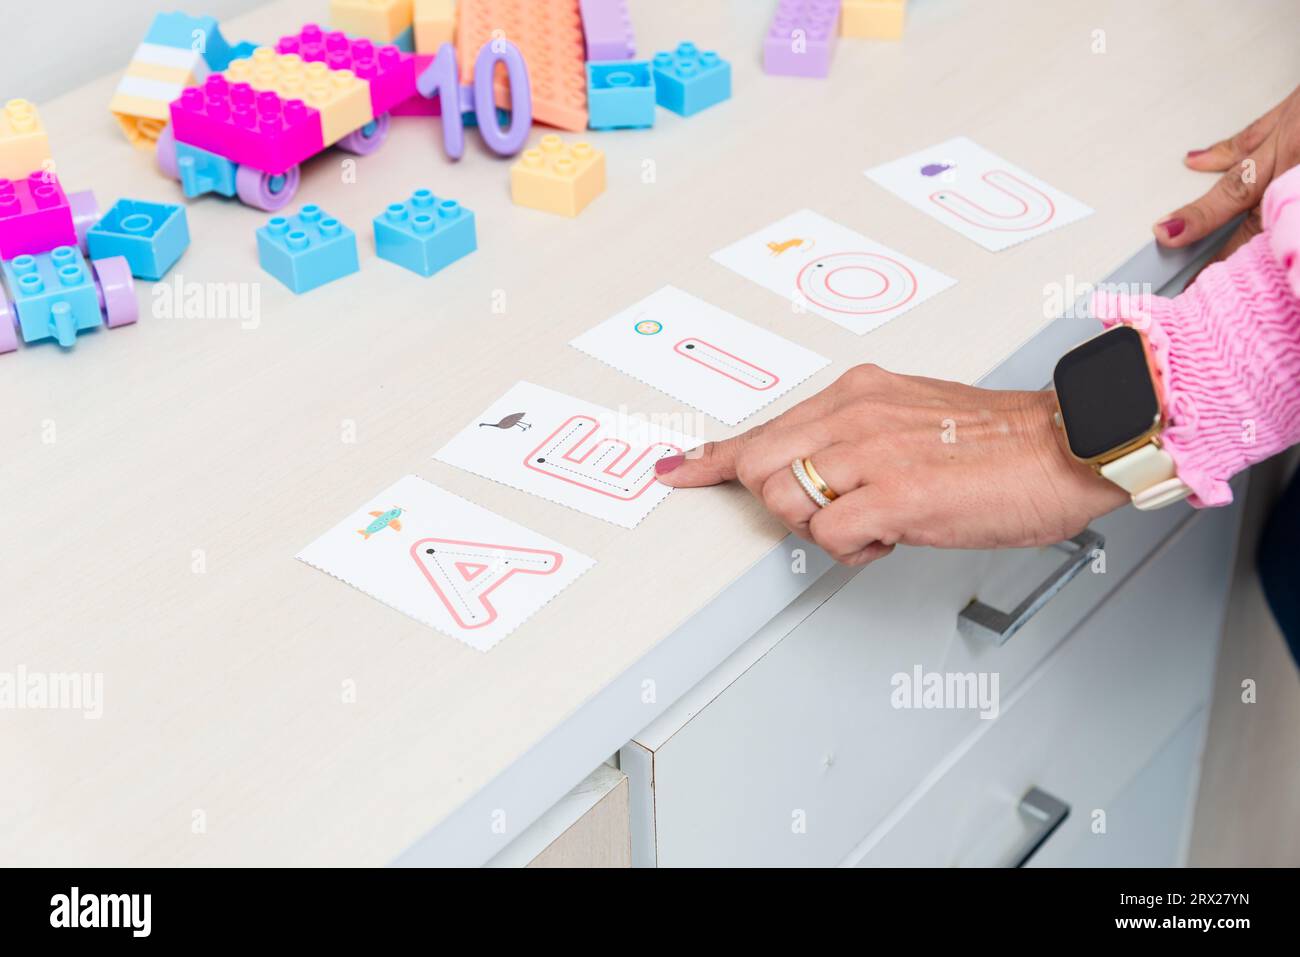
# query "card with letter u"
(446, 562)
(978, 193)
(823, 267)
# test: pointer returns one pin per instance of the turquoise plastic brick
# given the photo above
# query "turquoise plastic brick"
(203, 172)
(405, 41)
(182, 31)
(307, 250)
(688, 80)
(425, 233)
(620, 94)
(151, 236)
(53, 294)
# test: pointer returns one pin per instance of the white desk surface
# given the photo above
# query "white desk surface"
(223, 689)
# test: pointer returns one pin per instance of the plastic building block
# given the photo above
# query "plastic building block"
(150, 236)
(202, 172)
(307, 250)
(435, 24)
(873, 19)
(405, 41)
(340, 96)
(56, 295)
(557, 178)
(549, 35)
(688, 80)
(254, 129)
(425, 234)
(620, 93)
(34, 216)
(801, 39)
(389, 71)
(24, 146)
(607, 29)
(184, 32)
(379, 20)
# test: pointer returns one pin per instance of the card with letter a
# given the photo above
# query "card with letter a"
(826, 268)
(978, 193)
(700, 354)
(446, 562)
(569, 451)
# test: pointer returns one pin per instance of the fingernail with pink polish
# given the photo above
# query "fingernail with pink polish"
(668, 463)
(1194, 153)
(1173, 227)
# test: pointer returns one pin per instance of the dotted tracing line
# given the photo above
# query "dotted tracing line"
(743, 370)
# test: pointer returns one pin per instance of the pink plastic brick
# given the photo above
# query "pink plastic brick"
(420, 105)
(608, 29)
(801, 39)
(34, 216)
(256, 129)
(389, 71)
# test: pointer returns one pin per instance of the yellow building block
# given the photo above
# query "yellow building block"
(557, 178)
(342, 97)
(872, 19)
(435, 24)
(24, 147)
(378, 20)
(155, 76)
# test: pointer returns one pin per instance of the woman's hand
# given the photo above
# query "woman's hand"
(1249, 161)
(913, 460)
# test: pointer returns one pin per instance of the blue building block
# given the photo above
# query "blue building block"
(425, 233)
(620, 93)
(203, 172)
(54, 295)
(151, 236)
(688, 80)
(184, 32)
(405, 41)
(307, 250)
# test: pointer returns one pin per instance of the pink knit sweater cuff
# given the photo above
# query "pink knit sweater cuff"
(1228, 350)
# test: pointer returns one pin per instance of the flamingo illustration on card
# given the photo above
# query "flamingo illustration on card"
(700, 354)
(978, 193)
(825, 268)
(448, 563)
(576, 453)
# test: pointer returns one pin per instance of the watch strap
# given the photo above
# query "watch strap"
(1148, 474)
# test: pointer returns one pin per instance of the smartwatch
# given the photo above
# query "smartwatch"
(1108, 392)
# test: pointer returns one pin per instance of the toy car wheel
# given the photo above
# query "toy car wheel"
(269, 191)
(8, 325)
(368, 138)
(116, 290)
(165, 152)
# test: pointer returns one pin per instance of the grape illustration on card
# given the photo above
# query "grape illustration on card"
(700, 354)
(569, 451)
(826, 268)
(446, 562)
(978, 193)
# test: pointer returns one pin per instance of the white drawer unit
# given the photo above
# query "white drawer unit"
(794, 749)
(1083, 726)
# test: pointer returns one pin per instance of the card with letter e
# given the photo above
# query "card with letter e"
(823, 267)
(978, 193)
(700, 354)
(569, 451)
(446, 562)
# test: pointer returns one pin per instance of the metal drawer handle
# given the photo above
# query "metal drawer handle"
(1045, 814)
(979, 620)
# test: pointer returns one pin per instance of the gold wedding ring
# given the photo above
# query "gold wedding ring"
(812, 483)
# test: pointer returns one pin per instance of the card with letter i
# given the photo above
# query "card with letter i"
(446, 562)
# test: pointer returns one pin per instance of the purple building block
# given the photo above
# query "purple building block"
(608, 29)
(389, 71)
(251, 128)
(801, 39)
(34, 216)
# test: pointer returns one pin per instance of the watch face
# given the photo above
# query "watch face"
(1106, 394)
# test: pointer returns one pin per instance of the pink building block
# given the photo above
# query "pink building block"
(419, 105)
(256, 129)
(34, 216)
(607, 29)
(801, 39)
(389, 71)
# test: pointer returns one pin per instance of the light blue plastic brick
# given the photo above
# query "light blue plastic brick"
(307, 250)
(425, 233)
(54, 295)
(202, 172)
(405, 41)
(620, 93)
(182, 31)
(151, 236)
(688, 80)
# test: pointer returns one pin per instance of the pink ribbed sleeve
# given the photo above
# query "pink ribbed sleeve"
(1228, 349)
